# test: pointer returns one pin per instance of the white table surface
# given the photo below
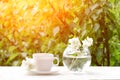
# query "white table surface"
(93, 73)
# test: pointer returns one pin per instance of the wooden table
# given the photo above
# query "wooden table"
(92, 73)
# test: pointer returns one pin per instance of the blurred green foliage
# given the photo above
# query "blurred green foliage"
(49, 29)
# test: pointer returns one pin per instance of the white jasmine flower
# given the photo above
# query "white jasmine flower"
(87, 42)
(74, 43)
(28, 64)
(75, 46)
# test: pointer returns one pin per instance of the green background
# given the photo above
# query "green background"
(98, 19)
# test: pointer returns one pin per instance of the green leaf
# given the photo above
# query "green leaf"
(96, 26)
(11, 48)
(12, 57)
(75, 54)
(76, 20)
(112, 1)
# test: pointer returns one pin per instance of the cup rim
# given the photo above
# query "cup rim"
(43, 54)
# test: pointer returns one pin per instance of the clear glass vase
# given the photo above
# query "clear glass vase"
(76, 63)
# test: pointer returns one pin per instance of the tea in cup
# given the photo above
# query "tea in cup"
(44, 61)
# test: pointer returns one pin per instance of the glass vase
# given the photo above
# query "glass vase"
(77, 63)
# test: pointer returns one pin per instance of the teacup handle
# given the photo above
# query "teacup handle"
(56, 58)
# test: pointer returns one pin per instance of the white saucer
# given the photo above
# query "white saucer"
(33, 71)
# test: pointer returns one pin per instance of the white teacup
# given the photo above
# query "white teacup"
(44, 61)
